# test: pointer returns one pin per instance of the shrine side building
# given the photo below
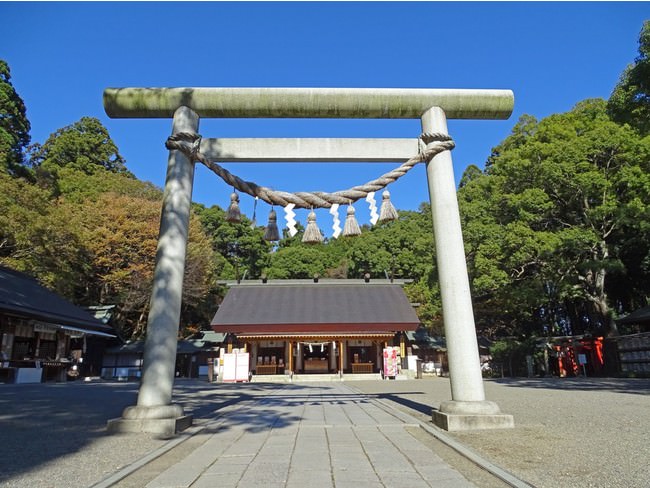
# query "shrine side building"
(315, 326)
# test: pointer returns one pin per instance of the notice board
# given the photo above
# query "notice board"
(235, 366)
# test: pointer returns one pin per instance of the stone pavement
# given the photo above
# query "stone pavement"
(311, 434)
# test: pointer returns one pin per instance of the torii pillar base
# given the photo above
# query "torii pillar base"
(164, 421)
(459, 416)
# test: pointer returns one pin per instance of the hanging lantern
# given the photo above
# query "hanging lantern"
(387, 211)
(272, 233)
(351, 227)
(233, 214)
(312, 233)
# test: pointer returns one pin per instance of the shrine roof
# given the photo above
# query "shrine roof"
(23, 296)
(329, 306)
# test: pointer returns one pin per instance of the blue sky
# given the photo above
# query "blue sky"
(552, 55)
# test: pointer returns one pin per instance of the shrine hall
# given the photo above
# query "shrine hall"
(319, 326)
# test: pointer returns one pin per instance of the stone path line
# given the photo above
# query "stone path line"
(320, 435)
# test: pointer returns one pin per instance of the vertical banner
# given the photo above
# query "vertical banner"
(390, 361)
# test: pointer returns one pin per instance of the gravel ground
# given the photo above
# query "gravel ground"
(580, 432)
(53, 435)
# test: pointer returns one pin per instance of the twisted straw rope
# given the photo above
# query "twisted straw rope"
(430, 143)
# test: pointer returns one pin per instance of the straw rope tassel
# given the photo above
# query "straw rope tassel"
(312, 233)
(351, 227)
(233, 214)
(272, 233)
(387, 211)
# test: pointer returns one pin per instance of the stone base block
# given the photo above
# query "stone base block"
(457, 416)
(455, 422)
(162, 420)
(160, 427)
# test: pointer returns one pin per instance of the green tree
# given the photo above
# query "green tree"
(545, 226)
(39, 236)
(85, 146)
(78, 186)
(242, 245)
(14, 126)
(88, 230)
(120, 234)
(402, 249)
(302, 262)
(630, 101)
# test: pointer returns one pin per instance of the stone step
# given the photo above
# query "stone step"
(303, 378)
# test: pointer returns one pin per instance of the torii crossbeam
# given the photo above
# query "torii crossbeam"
(154, 411)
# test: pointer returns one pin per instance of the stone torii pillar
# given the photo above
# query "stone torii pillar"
(154, 411)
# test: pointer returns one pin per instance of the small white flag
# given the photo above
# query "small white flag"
(290, 215)
(334, 212)
(374, 216)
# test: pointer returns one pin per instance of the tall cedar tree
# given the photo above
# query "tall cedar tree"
(14, 126)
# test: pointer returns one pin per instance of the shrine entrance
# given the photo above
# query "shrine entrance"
(315, 358)
(468, 408)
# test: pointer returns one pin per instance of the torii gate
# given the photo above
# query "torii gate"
(155, 411)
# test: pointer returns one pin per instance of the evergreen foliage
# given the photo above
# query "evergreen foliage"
(556, 228)
(560, 212)
(84, 145)
(14, 126)
(630, 101)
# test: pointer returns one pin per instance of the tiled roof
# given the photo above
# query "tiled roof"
(308, 307)
(22, 295)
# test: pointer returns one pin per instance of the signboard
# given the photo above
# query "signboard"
(235, 366)
(41, 327)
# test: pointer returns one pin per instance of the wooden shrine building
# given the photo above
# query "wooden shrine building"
(315, 326)
(42, 335)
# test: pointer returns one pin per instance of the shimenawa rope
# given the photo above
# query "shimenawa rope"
(430, 143)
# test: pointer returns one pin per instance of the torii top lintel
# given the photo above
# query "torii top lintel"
(371, 103)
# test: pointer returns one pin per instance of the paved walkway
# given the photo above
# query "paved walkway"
(321, 435)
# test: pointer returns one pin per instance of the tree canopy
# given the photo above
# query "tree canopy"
(84, 226)
(14, 126)
(548, 225)
(630, 101)
(84, 145)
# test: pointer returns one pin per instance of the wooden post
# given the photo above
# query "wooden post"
(291, 356)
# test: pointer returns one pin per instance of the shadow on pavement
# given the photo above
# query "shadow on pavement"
(40, 423)
(637, 386)
(406, 402)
